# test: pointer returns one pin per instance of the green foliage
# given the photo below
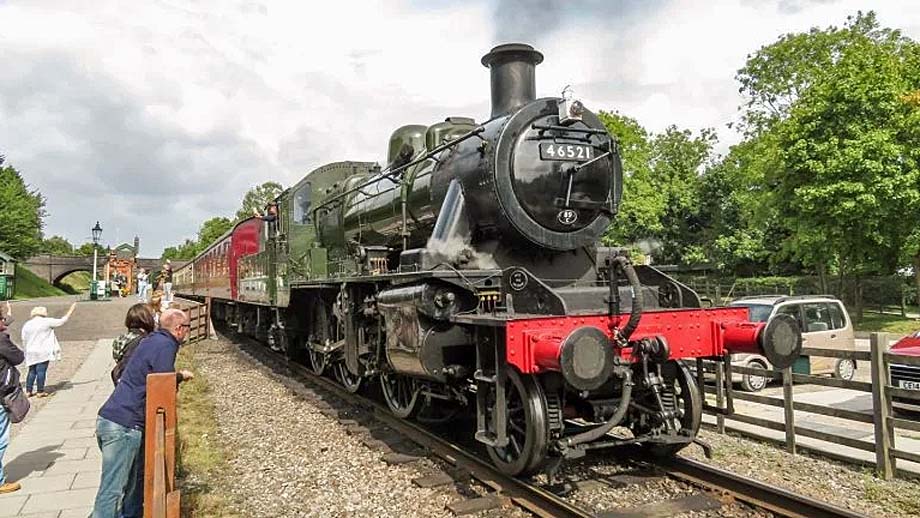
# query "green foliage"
(56, 245)
(209, 232)
(642, 206)
(76, 282)
(22, 214)
(30, 286)
(661, 189)
(185, 251)
(258, 198)
(849, 185)
(84, 249)
(212, 229)
(678, 160)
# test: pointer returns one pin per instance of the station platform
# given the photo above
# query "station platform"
(54, 454)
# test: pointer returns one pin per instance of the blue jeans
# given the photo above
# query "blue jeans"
(142, 291)
(4, 439)
(36, 372)
(121, 447)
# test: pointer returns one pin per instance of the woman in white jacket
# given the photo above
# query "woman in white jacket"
(41, 346)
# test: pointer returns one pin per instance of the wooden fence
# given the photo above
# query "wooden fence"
(199, 315)
(882, 417)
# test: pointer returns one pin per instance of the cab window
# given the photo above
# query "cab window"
(838, 321)
(817, 317)
(301, 205)
(793, 310)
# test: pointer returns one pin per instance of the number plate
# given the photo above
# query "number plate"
(912, 385)
(568, 152)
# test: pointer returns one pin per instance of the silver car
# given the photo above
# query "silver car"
(825, 325)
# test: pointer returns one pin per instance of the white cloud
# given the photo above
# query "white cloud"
(153, 116)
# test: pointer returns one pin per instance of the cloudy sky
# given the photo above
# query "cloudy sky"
(151, 116)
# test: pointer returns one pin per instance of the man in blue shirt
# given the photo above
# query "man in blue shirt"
(120, 425)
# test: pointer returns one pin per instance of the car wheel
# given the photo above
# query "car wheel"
(845, 369)
(753, 382)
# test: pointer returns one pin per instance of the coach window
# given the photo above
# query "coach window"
(301, 205)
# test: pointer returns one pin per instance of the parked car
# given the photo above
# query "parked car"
(906, 376)
(825, 325)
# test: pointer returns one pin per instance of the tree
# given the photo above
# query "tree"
(846, 183)
(185, 251)
(678, 159)
(56, 245)
(23, 210)
(211, 230)
(642, 206)
(84, 249)
(257, 198)
(661, 185)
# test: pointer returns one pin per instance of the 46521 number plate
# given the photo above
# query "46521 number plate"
(568, 152)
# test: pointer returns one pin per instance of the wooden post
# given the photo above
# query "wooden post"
(720, 393)
(788, 411)
(161, 499)
(210, 326)
(881, 406)
(718, 298)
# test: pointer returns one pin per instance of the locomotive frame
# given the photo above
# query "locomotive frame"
(466, 274)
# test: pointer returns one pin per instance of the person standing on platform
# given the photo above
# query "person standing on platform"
(142, 285)
(167, 281)
(41, 346)
(120, 425)
(10, 357)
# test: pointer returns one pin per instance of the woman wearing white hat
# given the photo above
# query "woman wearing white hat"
(41, 346)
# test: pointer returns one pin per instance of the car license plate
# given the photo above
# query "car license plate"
(911, 385)
(568, 152)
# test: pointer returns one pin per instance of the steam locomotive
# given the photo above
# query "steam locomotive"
(467, 274)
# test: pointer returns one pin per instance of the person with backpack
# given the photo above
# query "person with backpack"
(10, 357)
(140, 322)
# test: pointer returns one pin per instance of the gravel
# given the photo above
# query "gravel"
(606, 483)
(289, 459)
(845, 485)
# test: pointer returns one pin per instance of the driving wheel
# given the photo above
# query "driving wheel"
(527, 426)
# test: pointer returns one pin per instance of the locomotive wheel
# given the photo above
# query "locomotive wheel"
(324, 331)
(318, 361)
(401, 394)
(687, 399)
(351, 382)
(528, 427)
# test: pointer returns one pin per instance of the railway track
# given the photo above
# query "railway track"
(717, 484)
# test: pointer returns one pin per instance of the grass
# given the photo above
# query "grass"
(30, 286)
(887, 323)
(76, 282)
(201, 459)
(902, 496)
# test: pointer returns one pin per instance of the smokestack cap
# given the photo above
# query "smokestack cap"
(512, 52)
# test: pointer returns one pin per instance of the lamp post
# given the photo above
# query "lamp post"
(97, 235)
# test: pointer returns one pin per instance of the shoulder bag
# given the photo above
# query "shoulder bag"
(16, 403)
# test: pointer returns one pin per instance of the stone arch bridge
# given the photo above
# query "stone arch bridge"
(53, 268)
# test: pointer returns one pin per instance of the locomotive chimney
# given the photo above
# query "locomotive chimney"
(512, 68)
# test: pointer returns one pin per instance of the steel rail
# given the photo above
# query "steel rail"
(545, 504)
(532, 498)
(775, 499)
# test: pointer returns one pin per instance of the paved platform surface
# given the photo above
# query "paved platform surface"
(91, 320)
(55, 456)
